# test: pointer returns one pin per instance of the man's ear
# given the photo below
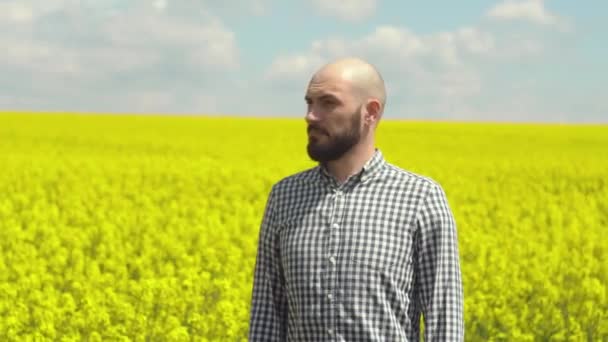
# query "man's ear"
(373, 111)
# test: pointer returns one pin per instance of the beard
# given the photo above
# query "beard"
(337, 145)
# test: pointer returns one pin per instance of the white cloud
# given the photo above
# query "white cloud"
(208, 44)
(140, 32)
(238, 8)
(15, 12)
(533, 11)
(26, 11)
(259, 7)
(160, 5)
(426, 60)
(349, 10)
(426, 74)
(293, 67)
(68, 53)
(388, 41)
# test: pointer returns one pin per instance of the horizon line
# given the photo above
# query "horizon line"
(288, 117)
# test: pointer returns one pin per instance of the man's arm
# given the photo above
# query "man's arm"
(440, 289)
(268, 319)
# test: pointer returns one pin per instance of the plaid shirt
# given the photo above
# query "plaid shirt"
(359, 261)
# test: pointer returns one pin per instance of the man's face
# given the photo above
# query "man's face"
(334, 120)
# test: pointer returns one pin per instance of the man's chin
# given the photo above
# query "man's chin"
(317, 154)
(313, 153)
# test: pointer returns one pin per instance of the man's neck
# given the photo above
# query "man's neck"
(351, 163)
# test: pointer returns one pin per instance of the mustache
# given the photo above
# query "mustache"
(313, 127)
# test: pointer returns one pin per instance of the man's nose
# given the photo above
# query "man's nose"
(311, 115)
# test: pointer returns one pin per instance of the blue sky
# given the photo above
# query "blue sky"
(505, 60)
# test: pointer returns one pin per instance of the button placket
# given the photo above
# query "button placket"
(331, 257)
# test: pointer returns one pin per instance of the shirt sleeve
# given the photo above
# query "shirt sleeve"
(440, 288)
(268, 316)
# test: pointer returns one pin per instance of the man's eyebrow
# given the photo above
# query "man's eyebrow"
(325, 96)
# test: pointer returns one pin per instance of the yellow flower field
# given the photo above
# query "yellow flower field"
(144, 228)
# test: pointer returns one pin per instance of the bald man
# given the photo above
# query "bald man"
(355, 249)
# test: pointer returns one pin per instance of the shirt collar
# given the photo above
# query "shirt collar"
(373, 166)
(370, 169)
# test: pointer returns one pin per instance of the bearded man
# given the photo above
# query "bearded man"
(355, 248)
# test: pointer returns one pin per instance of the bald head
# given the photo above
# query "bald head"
(364, 78)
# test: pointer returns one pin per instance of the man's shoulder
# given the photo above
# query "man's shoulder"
(298, 179)
(390, 174)
(407, 177)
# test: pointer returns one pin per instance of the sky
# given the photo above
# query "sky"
(505, 60)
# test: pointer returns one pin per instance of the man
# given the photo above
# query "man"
(355, 249)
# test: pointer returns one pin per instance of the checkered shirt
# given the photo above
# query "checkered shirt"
(360, 261)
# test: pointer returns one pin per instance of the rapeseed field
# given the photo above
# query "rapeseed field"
(145, 228)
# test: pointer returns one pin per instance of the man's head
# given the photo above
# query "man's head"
(346, 99)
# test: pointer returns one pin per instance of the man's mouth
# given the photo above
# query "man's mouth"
(315, 129)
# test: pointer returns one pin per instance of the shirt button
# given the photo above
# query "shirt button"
(336, 226)
(329, 296)
(330, 331)
(332, 260)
